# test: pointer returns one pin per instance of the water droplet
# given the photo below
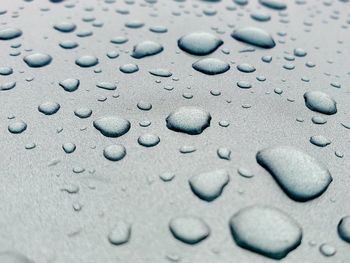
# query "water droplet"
(244, 84)
(320, 102)
(254, 36)
(148, 140)
(245, 172)
(327, 250)
(83, 112)
(187, 149)
(65, 26)
(120, 233)
(265, 230)
(260, 16)
(319, 140)
(129, 68)
(86, 61)
(6, 71)
(300, 175)
(106, 85)
(246, 68)
(146, 48)
(189, 229)
(114, 152)
(299, 52)
(17, 127)
(160, 72)
(266, 59)
(70, 85)
(273, 4)
(209, 186)
(211, 66)
(37, 60)
(49, 107)
(68, 44)
(10, 33)
(69, 147)
(224, 153)
(199, 43)
(112, 126)
(134, 24)
(189, 119)
(318, 120)
(119, 40)
(7, 85)
(344, 228)
(144, 105)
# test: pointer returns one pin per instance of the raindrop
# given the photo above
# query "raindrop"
(189, 229)
(120, 233)
(211, 66)
(86, 61)
(49, 107)
(319, 140)
(246, 68)
(37, 60)
(160, 72)
(83, 113)
(17, 127)
(254, 36)
(265, 230)
(70, 85)
(327, 250)
(189, 119)
(112, 126)
(146, 48)
(106, 85)
(148, 140)
(224, 153)
(199, 43)
(273, 4)
(300, 175)
(65, 26)
(10, 33)
(320, 102)
(114, 152)
(209, 186)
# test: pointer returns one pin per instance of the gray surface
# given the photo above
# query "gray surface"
(37, 218)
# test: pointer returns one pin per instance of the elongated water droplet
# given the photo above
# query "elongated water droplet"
(199, 43)
(10, 33)
(320, 102)
(254, 36)
(273, 4)
(319, 140)
(211, 66)
(300, 175)
(146, 48)
(17, 127)
(37, 60)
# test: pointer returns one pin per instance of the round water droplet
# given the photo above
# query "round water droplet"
(344, 228)
(327, 250)
(114, 152)
(106, 85)
(69, 147)
(120, 233)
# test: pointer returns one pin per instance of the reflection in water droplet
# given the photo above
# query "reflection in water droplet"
(224, 153)
(69, 147)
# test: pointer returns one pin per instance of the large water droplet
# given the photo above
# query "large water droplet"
(300, 175)
(37, 60)
(320, 102)
(254, 36)
(199, 43)
(146, 48)
(209, 186)
(211, 66)
(190, 120)
(265, 230)
(189, 229)
(112, 126)
(10, 33)
(273, 4)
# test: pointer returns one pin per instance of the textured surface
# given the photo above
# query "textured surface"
(50, 213)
